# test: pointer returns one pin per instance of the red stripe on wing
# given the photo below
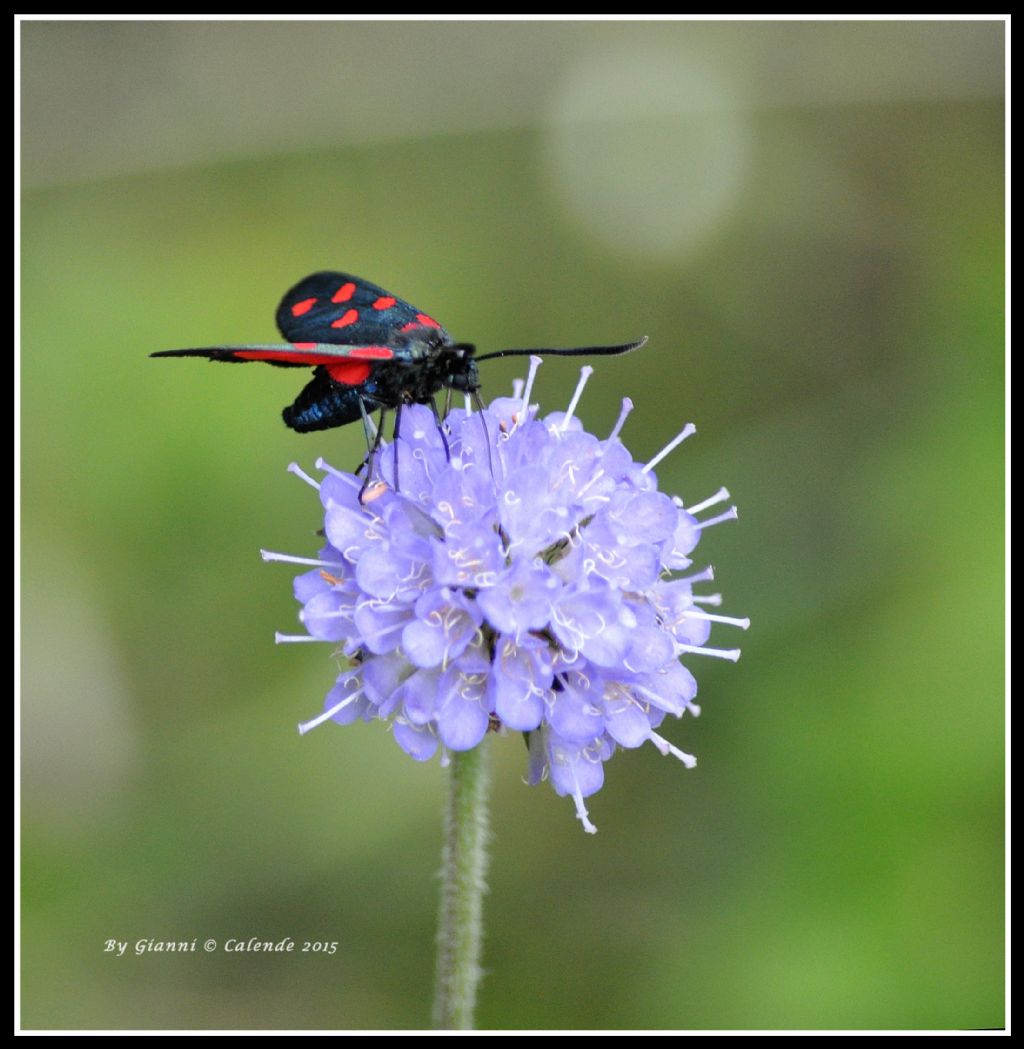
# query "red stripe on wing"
(372, 353)
(302, 353)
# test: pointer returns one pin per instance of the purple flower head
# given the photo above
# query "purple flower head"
(521, 575)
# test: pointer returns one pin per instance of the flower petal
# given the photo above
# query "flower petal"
(416, 740)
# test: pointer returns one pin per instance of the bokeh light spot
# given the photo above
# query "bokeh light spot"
(648, 150)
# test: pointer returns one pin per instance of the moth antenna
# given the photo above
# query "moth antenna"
(577, 351)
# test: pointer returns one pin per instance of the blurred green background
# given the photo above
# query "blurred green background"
(807, 220)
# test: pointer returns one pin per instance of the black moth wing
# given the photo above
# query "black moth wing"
(332, 307)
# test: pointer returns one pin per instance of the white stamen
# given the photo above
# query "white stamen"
(305, 726)
(535, 363)
(692, 613)
(667, 748)
(270, 555)
(705, 575)
(517, 388)
(327, 468)
(627, 407)
(469, 405)
(377, 635)
(730, 515)
(341, 613)
(732, 654)
(719, 497)
(593, 480)
(585, 372)
(286, 639)
(707, 599)
(656, 700)
(294, 468)
(581, 809)
(687, 431)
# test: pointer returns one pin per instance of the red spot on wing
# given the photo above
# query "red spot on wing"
(428, 321)
(304, 345)
(347, 318)
(344, 293)
(351, 373)
(385, 302)
(303, 307)
(410, 326)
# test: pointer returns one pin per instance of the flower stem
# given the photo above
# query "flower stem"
(463, 870)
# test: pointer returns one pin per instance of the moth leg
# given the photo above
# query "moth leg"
(370, 432)
(440, 427)
(394, 440)
(372, 456)
(479, 405)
